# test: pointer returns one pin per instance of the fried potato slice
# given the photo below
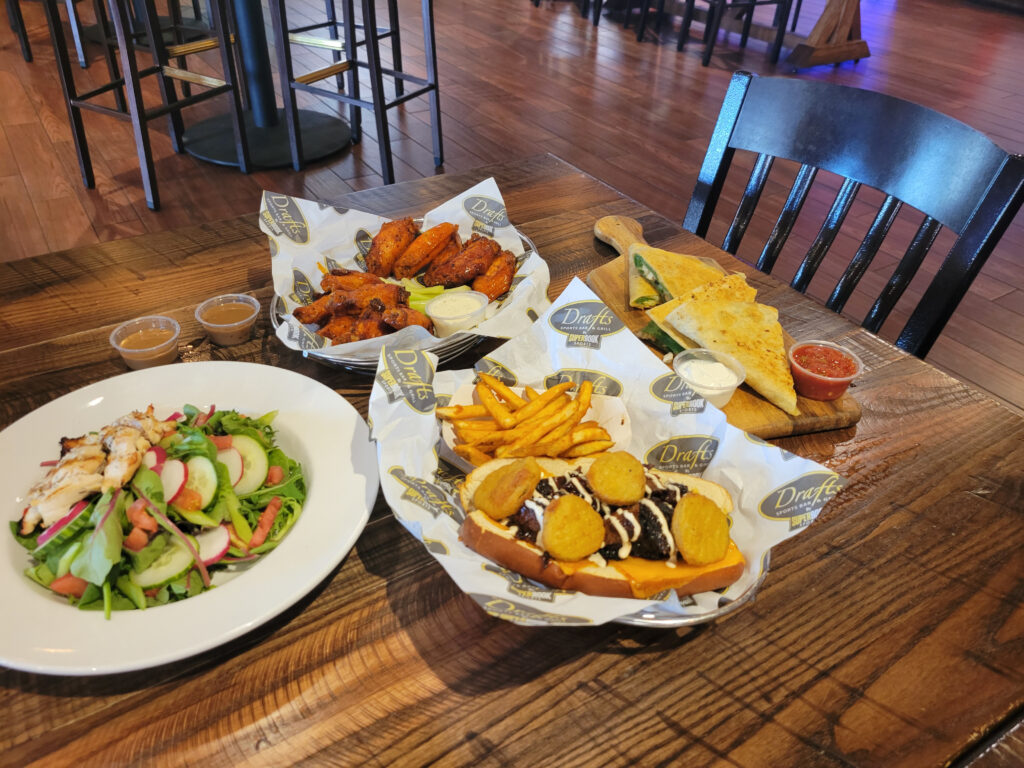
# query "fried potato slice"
(505, 489)
(573, 530)
(617, 478)
(700, 529)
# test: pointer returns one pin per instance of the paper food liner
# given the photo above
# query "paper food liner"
(776, 494)
(308, 239)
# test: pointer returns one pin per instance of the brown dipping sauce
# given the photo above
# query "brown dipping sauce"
(147, 338)
(228, 322)
(226, 314)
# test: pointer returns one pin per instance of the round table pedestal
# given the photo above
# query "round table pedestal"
(213, 139)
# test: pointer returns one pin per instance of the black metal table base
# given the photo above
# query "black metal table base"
(213, 139)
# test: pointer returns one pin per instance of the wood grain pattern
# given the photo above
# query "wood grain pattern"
(747, 410)
(889, 633)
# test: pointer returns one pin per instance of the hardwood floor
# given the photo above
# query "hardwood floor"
(517, 80)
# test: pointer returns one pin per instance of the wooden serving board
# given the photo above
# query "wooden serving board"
(747, 410)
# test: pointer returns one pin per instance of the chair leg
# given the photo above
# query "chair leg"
(174, 9)
(67, 84)
(380, 112)
(332, 31)
(796, 15)
(135, 106)
(715, 12)
(748, 19)
(597, 11)
(151, 27)
(780, 31)
(18, 25)
(110, 52)
(396, 45)
(659, 16)
(641, 26)
(279, 21)
(684, 28)
(435, 94)
(76, 33)
(219, 18)
(355, 113)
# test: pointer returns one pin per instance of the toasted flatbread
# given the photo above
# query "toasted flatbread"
(728, 288)
(673, 275)
(748, 331)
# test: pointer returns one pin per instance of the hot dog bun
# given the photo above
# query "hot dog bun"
(632, 577)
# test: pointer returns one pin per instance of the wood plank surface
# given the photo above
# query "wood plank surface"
(886, 634)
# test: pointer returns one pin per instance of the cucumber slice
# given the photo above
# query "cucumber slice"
(254, 464)
(63, 531)
(174, 562)
(202, 478)
(64, 564)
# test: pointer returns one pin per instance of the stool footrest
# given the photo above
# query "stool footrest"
(321, 74)
(193, 77)
(196, 46)
(312, 41)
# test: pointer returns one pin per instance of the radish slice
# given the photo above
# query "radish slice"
(154, 457)
(232, 459)
(54, 529)
(212, 544)
(173, 475)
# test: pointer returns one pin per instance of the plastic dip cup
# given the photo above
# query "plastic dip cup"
(712, 375)
(457, 311)
(147, 341)
(822, 370)
(228, 319)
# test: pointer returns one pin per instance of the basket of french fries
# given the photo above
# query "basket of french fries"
(576, 386)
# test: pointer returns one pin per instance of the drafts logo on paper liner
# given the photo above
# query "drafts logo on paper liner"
(426, 495)
(408, 375)
(584, 323)
(336, 208)
(363, 241)
(488, 214)
(329, 264)
(800, 500)
(520, 586)
(497, 370)
(603, 383)
(274, 248)
(284, 217)
(436, 547)
(673, 390)
(689, 454)
(518, 613)
(303, 290)
(300, 336)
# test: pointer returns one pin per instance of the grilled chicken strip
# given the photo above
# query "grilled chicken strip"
(390, 243)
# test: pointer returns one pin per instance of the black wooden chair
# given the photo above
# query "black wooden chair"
(718, 9)
(358, 49)
(954, 175)
(126, 86)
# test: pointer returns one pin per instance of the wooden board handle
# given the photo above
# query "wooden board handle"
(619, 232)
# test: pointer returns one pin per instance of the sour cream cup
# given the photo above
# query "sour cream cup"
(147, 341)
(454, 311)
(711, 374)
(828, 374)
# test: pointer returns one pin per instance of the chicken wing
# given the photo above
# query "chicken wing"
(398, 318)
(498, 277)
(392, 241)
(315, 313)
(346, 280)
(356, 301)
(424, 248)
(473, 260)
(338, 329)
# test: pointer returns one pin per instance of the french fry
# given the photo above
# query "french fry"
(584, 395)
(501, 390)
(587, 435)
(472, 454)
(536, 406)
(588, 449)
(531, 393)
(450, 412)
(500, 413)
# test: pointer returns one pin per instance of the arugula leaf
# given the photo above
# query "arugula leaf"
(234, 423)
(292, 487)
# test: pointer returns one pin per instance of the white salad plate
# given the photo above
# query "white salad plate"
(317, 427)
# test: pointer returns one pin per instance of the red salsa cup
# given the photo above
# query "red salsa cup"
(822, 370)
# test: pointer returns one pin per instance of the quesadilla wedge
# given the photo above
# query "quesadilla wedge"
(673, 275)
(748, 331)
(729, 288)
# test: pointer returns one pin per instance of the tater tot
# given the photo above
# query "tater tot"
(573, 530)
(503, 491)
(617, 478)
(700, 529)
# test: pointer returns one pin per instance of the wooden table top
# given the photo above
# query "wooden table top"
(890, 632)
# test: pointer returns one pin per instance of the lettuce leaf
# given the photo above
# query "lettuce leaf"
(28, 542)
(102, 548)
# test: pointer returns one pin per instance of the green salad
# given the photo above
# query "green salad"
(215, 493)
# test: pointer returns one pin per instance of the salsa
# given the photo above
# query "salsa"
(822, 372)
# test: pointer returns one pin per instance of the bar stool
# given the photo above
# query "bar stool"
(18, 27)
(127, 90)
(346, 55)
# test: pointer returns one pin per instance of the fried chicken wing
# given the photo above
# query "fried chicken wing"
(498, 277)
(473, 260)
(392, 241)
(315, 313)
(356, 301)
(346, 280)
(370, 323)
(398, 318)
(338, 328)
(424, 248)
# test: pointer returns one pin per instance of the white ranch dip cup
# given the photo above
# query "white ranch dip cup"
(712, 375)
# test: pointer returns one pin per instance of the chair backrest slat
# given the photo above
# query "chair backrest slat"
(826, 235)
(745, 210)
(787, 218)
(956, 176)
(865, 253)
(903, 274)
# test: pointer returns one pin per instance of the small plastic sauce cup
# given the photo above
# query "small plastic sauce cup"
(228, 319)
(712, 375)
(822, 370)
(147, 341)
(457, 311)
